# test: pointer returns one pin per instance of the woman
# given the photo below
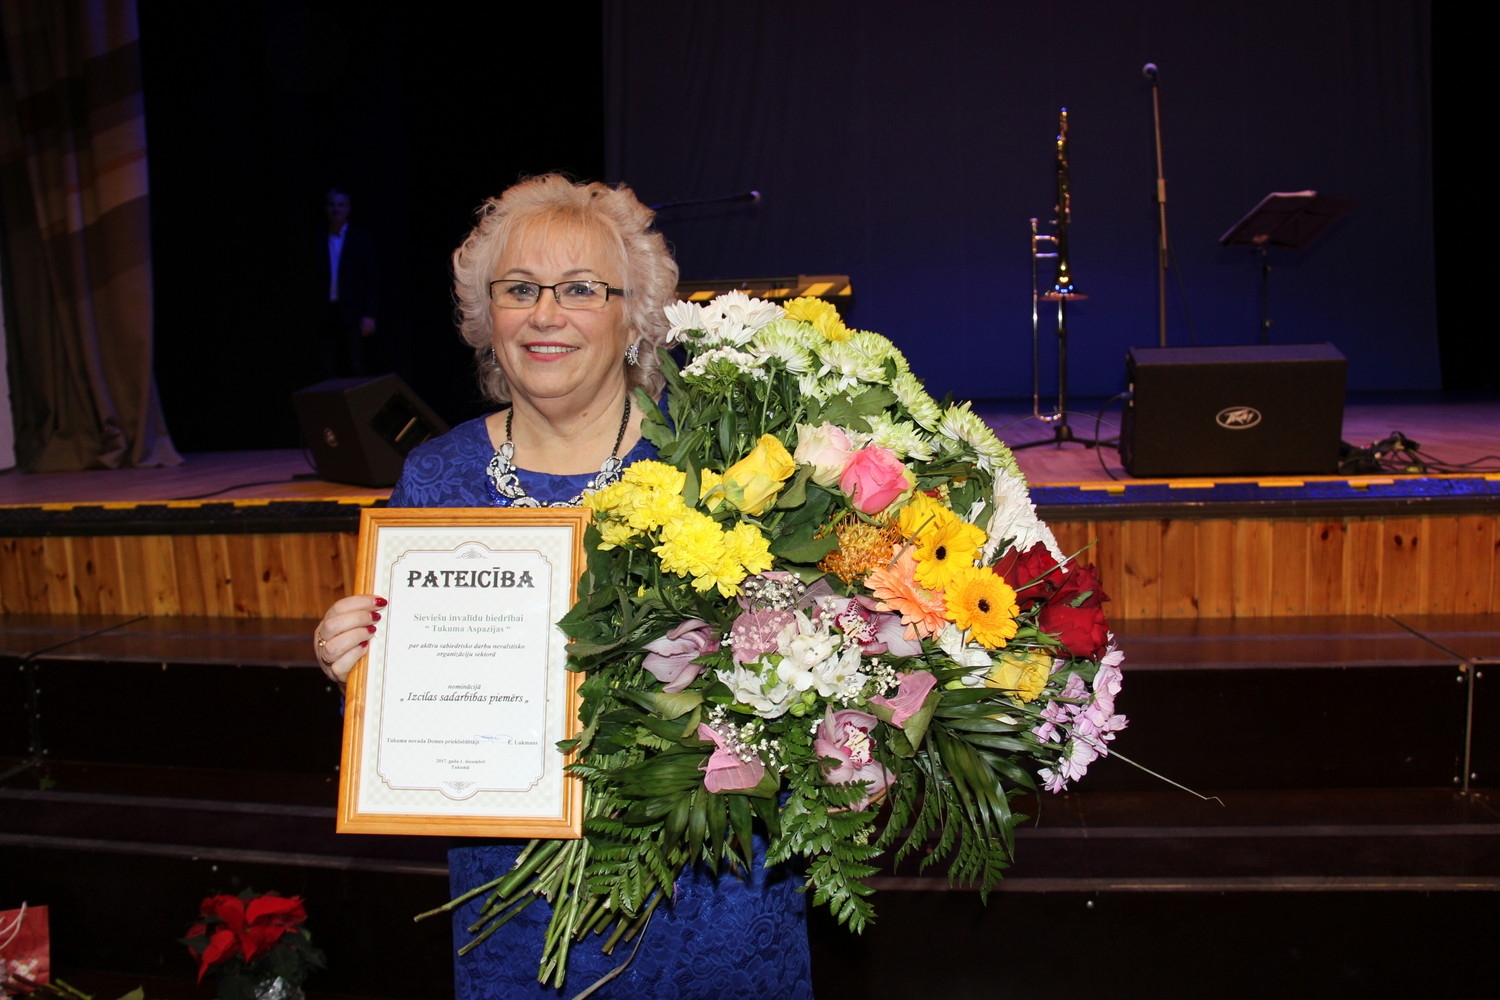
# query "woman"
(560, 291)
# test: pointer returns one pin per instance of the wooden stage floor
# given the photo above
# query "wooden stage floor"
(1456, 432)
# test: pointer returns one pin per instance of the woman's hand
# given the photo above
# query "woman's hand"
(341, 637)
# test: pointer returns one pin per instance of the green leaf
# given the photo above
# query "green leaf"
(794, 494)
(663, 705)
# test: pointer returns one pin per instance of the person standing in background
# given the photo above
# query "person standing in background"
(350, 346)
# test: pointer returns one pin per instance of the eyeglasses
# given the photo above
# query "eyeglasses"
(509, 293)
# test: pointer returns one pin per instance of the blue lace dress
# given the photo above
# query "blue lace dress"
(720, 939)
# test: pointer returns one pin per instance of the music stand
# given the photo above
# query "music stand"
(1291, 220)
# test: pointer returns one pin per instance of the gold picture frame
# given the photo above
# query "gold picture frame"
(453, 716)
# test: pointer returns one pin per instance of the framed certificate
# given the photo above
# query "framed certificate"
(453, 717)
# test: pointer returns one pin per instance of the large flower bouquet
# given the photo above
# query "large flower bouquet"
(829, 607)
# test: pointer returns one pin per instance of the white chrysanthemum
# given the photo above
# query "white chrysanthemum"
(733, 319)
(901, 437)
(964, 426)
(850, 362)
(922, 407)
(795, 331)
(878, 349)
(737, 307)
(785, 342)
(812, 386)
(709, 365)
(1015, 518)
(684, 317)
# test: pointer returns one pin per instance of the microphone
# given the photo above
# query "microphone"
(1150, 73)
(753, 197)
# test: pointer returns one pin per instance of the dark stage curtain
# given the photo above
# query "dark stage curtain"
(907, 145)
(75, 212)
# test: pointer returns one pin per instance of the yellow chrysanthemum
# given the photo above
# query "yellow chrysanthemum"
(691, 545)
(945, 552)
(980, 601)
(710, 489)
(656, 476)
(821, 314)
(656, 509)
(613, 534)
(749, 548)
(608, 499)
(1021, 673)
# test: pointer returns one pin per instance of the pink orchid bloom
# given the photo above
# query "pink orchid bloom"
(908, 699)
(844, 736)
(670, 658)
(725, 771)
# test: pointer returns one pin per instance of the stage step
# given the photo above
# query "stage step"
(1344, 759)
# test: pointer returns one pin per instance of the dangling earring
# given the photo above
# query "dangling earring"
(633, 353)
(490, 360)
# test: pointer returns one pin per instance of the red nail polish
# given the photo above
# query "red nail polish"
(371, 629)
(365, 643)
(374, 616)
(381, 602)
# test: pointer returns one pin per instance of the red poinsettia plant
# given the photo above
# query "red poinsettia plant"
(250, 939)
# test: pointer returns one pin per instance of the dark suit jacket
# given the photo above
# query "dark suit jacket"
(357, 276)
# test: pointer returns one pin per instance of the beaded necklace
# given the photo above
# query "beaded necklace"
(505, 487)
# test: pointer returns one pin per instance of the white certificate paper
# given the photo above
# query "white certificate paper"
(455, 714)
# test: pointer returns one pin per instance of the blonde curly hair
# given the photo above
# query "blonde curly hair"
(611, 213)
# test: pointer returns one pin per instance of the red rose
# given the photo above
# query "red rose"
(1075, 613)
(1082, 630)
(1033, 574)
(1081, 588)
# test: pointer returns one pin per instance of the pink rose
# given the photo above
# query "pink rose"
(826, 448)
(909, 697)
(725, 771)
(670, 658)
(873, 479)
(844, 736)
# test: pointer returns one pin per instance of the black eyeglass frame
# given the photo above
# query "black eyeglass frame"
(608, 291)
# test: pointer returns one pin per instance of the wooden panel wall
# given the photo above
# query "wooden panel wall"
(1172, 568)
(248, 576)
(1267, 567)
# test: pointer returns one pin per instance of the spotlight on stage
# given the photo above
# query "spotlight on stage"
(360, 430)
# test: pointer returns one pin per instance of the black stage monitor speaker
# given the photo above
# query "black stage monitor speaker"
(360, 430)
(1233, 411)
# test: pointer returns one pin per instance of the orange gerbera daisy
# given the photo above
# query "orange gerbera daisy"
(922, 611)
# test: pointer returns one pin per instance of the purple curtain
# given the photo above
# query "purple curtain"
(77, 238)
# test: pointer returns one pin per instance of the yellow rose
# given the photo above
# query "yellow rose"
(1022, 673)
(755, 480)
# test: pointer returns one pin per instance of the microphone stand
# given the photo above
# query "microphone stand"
(1153, 77)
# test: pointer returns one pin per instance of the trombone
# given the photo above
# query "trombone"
(1062, 292)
